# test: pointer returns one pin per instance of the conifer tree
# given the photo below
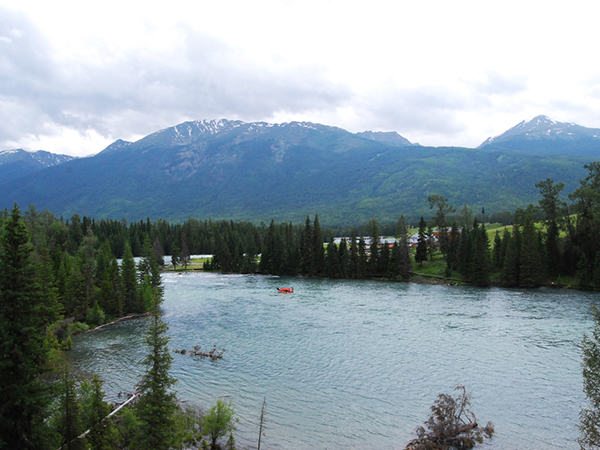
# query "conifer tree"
(590, 417)
(332, 261)
(384, 260)
(480, 270)
(102, 431)
(25, 312)
(157, 403)
(361, 270)
(373, 265)
(318, 251)
(343, 259)
(394, 265)
(69, 423)
(512, 262)
(421, 253)
(131, 290)
(353, 256)
(148, 270)
(306, 248)
(529, 268)
(405, 262)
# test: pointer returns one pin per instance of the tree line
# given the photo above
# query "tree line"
(42, 405)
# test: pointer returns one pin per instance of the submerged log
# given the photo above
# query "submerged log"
(212, 354)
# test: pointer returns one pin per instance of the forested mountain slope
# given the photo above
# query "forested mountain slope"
(258, 171)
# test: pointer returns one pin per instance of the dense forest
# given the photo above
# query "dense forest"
(59, 277)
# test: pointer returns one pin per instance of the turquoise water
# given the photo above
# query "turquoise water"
(357, 364)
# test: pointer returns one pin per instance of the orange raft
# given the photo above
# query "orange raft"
(285, 290)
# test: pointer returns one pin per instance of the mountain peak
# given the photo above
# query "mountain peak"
(543, 135)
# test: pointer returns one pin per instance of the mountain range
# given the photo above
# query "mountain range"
(229, 169)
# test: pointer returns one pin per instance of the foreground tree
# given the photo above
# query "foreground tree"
(452, 425)
(590, 417)
(25, 312)
(157, 405)
(68, 421)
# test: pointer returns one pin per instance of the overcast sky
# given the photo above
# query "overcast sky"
(75, 75)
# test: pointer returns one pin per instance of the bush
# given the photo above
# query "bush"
(219, 422)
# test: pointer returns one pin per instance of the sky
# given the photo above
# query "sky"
(76, 76)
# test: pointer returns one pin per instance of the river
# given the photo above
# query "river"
(356, 364)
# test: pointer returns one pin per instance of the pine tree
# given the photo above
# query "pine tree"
(102, 431)
(343, 259)
(480, 270)
(373, 265)
(331, 260)
(512, 262)
(353, 256)
(361, 270)
(157, 403)
(130, 284)
(530, 268)
(318, 251)
(69, 423)
(405, 269)
(306, 249)
(148, 270)
(25, 312)
(590, 417)
(421, 253)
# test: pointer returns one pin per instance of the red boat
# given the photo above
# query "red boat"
(285, 290)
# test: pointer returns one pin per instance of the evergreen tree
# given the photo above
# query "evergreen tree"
(480, 271)
(353, 255)
(373, 265)
(175, 256)
(590, 417)
(384, 260)
(394, 265)
(343, 259)
(102, 432)
(68, 422)
(361, 270)
(552, 207)
(306, 249)
(318, 251)
(529, 269)
(497, 251)
(157, 403)
(159, 252)
(453, 245)
(148, 270)
(512, 262)
(421, 253)
(110, 296)
(25, 312)
(131, 290)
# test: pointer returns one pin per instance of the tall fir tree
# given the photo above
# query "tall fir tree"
(590, 417)
(421, 253)
(102, 433)
(68, 421)
(480, 269)
(306, 248)
(157, 403)
(318, 251)
(131, 289)
(25, 313)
